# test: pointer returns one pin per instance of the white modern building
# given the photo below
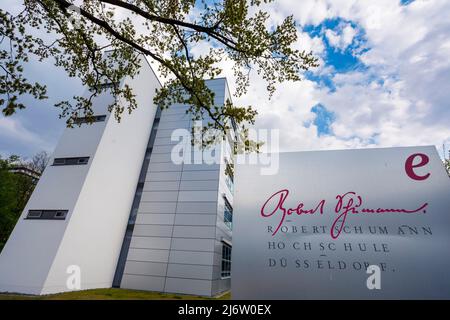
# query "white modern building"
(114, 206)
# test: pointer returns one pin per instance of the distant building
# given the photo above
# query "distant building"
(112, 205)
(25, 171)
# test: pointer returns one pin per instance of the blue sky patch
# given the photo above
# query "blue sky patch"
(406, 2)
(341, 60)
(324, 119)
(324, 80)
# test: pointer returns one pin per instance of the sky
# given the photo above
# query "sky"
(383, 81)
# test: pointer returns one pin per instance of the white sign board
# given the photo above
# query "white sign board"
(356, 224)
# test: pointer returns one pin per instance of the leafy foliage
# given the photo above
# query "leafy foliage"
(15, 190)
(165, 31)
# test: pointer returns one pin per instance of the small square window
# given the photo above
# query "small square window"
(60, 214)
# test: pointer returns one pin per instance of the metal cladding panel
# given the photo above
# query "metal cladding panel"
(199, 232)
(140, 242)
(196, 219)
(188, 286)
(194, 258)
(145, 230)
(145, 268)
(149, 255)
(189, 271)
(155, 218)
(141, 282)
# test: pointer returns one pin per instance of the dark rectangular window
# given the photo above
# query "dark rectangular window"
(226, 260)
(228, 214)
(73, 161)
(47, 214)
(91, 119)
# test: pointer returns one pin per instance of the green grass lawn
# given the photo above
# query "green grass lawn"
(111, 294)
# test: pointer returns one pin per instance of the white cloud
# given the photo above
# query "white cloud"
(341, 38)
(401, 98)
(12, 130)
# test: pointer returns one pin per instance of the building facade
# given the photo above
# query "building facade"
(113, 206)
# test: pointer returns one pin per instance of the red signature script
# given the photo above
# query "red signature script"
(347, 203)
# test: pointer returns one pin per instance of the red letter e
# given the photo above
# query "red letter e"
(409, 166)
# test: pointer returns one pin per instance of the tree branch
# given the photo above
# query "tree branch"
(65, 5)
(207, 30)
